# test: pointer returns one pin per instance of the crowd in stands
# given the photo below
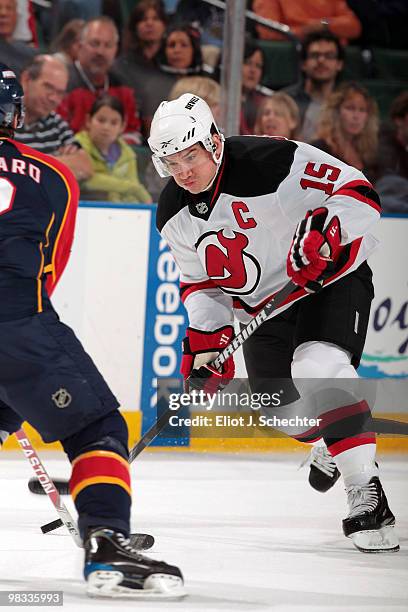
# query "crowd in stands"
(94, 72)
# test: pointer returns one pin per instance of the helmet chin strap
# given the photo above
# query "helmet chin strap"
(217, 161)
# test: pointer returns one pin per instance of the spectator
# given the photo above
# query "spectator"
(115, 176)
(179, 55)
(392, 182)
(253, 93)
(13, 53)
(202, 86)
(144, 32)
(44, 82)
(322, 62)
(308, 16)
(142, 40)
(180, 52)
(91, 76)
(348, 128)
(66, 44)
(278, 116)
(393, 149)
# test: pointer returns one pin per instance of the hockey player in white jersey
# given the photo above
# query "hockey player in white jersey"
(244, 215)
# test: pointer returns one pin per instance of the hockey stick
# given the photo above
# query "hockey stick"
(241, 337)
(238, 341)
(379, 426)
(48, 485)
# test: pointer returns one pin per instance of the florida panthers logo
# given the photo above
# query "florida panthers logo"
(227, 262)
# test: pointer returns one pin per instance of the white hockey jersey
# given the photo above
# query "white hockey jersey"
(231, 243)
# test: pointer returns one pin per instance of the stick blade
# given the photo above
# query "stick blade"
(51, 526)
(60, 484)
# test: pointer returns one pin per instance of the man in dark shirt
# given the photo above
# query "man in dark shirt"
(322, 61)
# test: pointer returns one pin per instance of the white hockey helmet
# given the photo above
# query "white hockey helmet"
(179, 124)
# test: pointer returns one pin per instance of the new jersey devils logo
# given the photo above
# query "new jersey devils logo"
(227, 262)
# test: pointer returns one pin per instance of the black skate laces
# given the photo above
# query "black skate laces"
(362, 498)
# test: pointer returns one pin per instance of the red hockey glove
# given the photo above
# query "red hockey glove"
(199, 348)
(314, 247)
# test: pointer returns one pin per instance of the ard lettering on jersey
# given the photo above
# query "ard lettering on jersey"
(20, 166)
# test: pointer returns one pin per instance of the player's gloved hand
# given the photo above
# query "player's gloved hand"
(199, 349)
(313, 249)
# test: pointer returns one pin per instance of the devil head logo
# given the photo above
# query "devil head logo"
(228, 263)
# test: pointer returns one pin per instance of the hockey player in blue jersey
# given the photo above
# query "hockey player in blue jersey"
(41, 359)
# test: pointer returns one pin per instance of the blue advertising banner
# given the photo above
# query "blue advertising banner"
(165, 324)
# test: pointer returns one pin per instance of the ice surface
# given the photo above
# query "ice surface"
(247, 531)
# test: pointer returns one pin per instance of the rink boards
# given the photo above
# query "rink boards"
(120, 295)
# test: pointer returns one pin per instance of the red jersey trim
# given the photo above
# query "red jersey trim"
(187, 289)
(65, 236)
(343, 412)
(217, 185)
(343, 445)
(349, 190)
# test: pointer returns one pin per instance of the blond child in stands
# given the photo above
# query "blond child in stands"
(278, 116)
(115, 176)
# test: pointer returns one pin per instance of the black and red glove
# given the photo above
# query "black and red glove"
(314, 247)
(199, 349)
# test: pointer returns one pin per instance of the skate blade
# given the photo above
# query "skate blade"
(158, 586)
(383, 540)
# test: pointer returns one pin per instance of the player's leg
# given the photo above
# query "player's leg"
(100, 488)
(268, 355)
(330, 336)
(61, 393)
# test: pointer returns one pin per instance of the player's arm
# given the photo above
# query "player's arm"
(318, 179)
(63, 196)
(335, 204)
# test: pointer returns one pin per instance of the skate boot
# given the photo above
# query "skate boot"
(323, 473)
(370, 523)
(114, 569)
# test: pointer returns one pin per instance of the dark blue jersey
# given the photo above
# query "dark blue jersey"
(38, 203)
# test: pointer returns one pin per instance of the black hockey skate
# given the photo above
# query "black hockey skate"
(114, 569)
(323, 473)
(370, 523)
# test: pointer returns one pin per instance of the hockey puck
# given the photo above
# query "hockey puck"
(141, 541)
(51, 526)
(61, 485)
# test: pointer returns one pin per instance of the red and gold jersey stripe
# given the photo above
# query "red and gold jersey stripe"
(99, 467)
